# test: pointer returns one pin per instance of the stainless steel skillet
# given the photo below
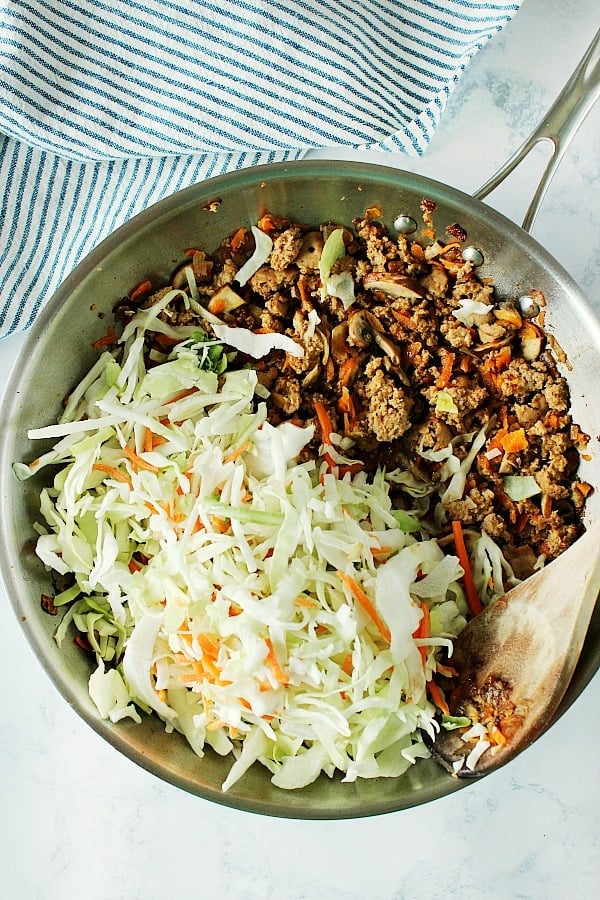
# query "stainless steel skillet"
(58, 351)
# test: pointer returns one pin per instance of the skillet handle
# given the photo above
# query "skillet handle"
(558, 127)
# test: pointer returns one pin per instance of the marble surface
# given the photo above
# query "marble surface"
(81, 820)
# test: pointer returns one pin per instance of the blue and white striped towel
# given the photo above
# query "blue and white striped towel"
(106, 106)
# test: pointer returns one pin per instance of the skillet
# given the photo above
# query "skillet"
(58, 351)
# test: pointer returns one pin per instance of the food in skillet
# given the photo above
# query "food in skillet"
(285, 487)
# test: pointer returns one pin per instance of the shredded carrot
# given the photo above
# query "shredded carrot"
(346, 403)
(380, 554)
(273, 663)
(137, 462)
(107, 340)
(446, 671)
(164, 341)
(446, 371)
(114, 473)
(366, 604)
(403, 319)
(209, 646)
(465, 363)
(306, 602)
(303, 290)
(348, 370)
(144, 287)
(214, 726)
(217, 305)
(239, 451)
(220, 525)
(180, 396)
(238, 239)
(148, 440)
(423, 630)
(514, 441)
(266, 224)
(473, 600)
(438, 697)
(496, 735)
(347, 666)
(324, 421)
(583, 487)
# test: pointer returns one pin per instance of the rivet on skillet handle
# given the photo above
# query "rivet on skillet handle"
(558, 126)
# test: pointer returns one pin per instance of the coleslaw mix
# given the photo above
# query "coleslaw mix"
(268, 608)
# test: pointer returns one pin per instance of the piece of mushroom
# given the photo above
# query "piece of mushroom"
(362, 326)
(532, 341)
(310, 251)
(394, 285)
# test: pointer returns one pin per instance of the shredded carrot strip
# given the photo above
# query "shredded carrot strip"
(114, 473)
(380, 553)
(143, 287)
(496, 735)
(324, 421)
(220, 525)
(473, 600)
(465, 363)
(137, 461)
(209, 645)
(346, 403)
(273, 663)
(148, 443)
(217, 305)
(423, 630)
(403, 319)
(303, 290)
(214, 726)
(348, 369)
(446, 371)
(305, 602)
(366, 604)
(180, 396)
(239, 451)
(514, 441)
(347, 666)
(583, 487)
(438, 697)
(107, 340)
(238, 239)
(446, 671)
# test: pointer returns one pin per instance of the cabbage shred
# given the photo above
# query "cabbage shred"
(208, 569)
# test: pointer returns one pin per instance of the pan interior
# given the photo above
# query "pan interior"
(58, 351)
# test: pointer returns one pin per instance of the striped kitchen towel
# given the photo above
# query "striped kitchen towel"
(106, 106)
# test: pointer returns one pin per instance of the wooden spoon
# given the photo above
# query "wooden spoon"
(515, 659)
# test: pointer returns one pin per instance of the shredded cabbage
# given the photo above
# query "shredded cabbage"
(262, 249)
(221, 583)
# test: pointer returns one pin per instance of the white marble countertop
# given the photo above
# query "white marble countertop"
(79, 820)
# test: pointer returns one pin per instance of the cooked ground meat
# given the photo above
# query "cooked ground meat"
(389, 407)
(403, 378)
